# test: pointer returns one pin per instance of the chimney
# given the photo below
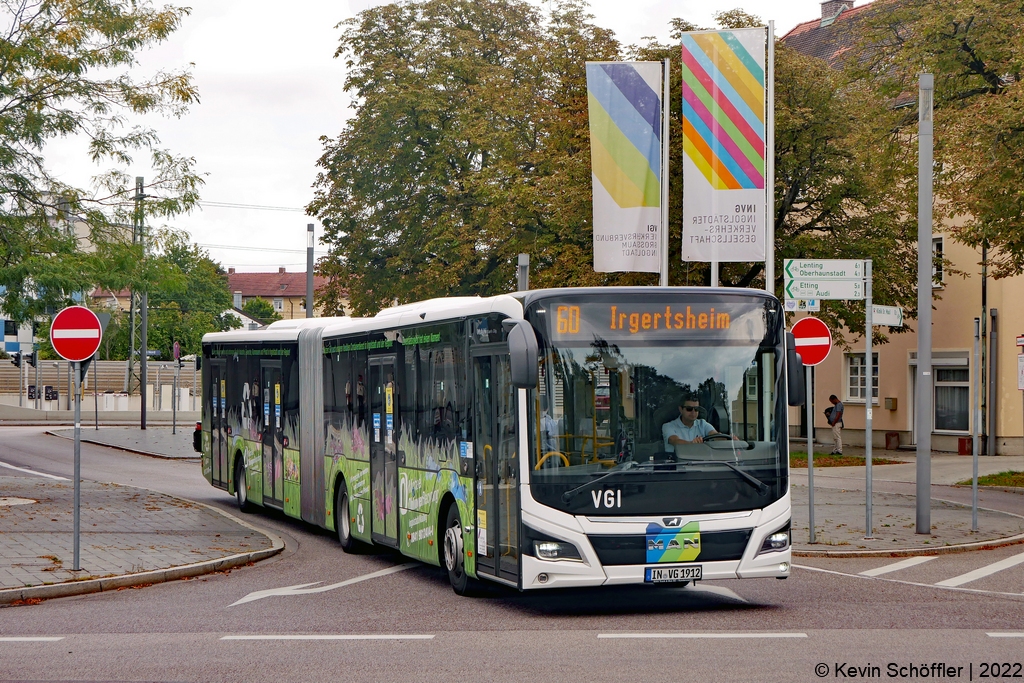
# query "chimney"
(231, 271)
(831, 8)
(280, 270)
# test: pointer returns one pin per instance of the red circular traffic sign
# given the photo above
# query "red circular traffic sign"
(813, 340)
(75, 333)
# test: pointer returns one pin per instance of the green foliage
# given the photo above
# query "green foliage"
(260, 309)
(65, 70)
(975, 49)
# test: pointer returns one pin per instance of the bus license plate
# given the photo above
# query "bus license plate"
(672, 574)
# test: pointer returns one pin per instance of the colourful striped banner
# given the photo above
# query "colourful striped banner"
(625, 107)
(724, 145)
(723, 110)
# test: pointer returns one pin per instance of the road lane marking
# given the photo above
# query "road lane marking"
(721, 591)
(38, 474)
(303, 588)
(981, 573)
(376, 636)
(30, 639)
(701, 635)
(918, 584)
(1018, 634)
(896, 566)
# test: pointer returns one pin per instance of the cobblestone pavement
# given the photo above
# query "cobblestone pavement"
(123, 530)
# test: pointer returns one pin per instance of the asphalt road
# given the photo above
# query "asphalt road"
(407, 625)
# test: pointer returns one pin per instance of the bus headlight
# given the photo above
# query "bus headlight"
(556, 550)
(776, 541)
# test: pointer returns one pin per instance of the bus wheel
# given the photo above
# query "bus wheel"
(341, 519)
(241, 492)
(454, 554)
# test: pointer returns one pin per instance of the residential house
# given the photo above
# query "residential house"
(285, 291)
(960, 299)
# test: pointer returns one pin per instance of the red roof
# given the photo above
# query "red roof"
(828, 39)
(269, 285)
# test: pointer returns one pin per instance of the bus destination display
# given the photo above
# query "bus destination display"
(648, 320)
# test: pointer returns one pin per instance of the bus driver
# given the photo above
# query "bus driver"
(687, 428)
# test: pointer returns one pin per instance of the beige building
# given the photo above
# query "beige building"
(958, 302)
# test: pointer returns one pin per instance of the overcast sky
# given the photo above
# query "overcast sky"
(270, 87)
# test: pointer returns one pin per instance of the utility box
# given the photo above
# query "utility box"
(965, 445)
(892, 441)
(891, 403)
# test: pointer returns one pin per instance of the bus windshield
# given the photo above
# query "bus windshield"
(663, 406)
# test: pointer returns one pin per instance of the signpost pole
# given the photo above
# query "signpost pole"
(810, 452)
(923, 399)
(975, 424)
(78, 461)
(870, 389)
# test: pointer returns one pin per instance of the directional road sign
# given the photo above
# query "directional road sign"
(825, 289)
(887, 315)
(813, 340)
(824, 269)
(75, 333)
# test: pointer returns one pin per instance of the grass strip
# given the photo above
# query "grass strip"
(1007, 478)
(797, 460)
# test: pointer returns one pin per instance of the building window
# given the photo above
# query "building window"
(10, 328)
(856, 377)
(952, 399)
(752, 384)
(237, 302)
(278, 304)
(937, 255)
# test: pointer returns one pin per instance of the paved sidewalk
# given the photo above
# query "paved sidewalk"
(128, 536)
(155, 441)
(840, 515)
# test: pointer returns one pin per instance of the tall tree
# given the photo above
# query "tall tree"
(467, 147)
(975, 49)
(66, 70)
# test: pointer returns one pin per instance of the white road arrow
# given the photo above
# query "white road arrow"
(303, 588)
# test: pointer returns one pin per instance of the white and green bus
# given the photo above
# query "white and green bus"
(534, 439)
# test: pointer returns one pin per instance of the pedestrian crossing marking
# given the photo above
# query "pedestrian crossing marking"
(981, 573)
(896, 566)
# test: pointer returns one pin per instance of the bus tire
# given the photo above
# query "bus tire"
(341, 519)
(241, 490)
(455, 554)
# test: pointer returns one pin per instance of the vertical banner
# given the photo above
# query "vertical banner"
(724, 148)
(625, 152)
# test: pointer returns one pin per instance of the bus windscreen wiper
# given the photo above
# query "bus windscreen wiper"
(762, 488)
(628, 465)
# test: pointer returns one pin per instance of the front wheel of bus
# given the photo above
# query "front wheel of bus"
(455, 554)
(241, 490)
(341, 519)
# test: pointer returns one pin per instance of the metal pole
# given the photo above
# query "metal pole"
(195, 366)
(810, 451)
(976, 423)
(309, 270)
(174, 400)
(714, 273)
(923, 415)
(993, 378)
(78, 461)
(666, 109)
(523, 273)
(96, 390)
(869, 402)
(769, 262)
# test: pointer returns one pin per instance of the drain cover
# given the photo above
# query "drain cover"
(11, 500)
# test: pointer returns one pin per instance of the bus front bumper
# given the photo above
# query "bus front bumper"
(565, 574)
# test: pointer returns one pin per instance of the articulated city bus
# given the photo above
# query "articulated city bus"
(548, 438)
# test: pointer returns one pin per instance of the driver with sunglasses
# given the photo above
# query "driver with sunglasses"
(688, 427)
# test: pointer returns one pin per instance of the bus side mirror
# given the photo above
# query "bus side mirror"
(795, 378)
(523, 351)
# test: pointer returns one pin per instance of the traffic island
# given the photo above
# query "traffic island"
(129, 537)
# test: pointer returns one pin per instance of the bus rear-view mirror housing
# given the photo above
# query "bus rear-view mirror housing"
(795, 378)
(523, 351)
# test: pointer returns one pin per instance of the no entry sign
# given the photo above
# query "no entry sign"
(813, 340)
(76, 333)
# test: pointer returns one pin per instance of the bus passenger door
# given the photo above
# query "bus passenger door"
(495, 447)
(384, 450)
(271, 437)
(219, 424)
